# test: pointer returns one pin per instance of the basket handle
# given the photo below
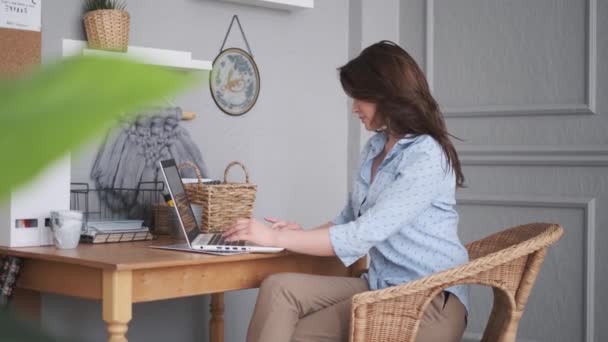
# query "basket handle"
(233, 164)
(191, 165)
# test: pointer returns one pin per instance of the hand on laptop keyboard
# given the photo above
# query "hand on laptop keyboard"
(218, 240)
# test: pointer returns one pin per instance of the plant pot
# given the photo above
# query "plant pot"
(107, 29)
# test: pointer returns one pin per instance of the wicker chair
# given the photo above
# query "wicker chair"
(508, 261)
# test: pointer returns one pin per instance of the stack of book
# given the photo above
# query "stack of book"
(115, 231)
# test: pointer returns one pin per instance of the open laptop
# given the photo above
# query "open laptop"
(195, 240)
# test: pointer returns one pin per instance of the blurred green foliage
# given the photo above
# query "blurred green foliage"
(59, 107)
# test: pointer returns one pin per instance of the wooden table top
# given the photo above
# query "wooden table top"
(129, 255)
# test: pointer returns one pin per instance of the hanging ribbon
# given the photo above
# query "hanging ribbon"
(236, 18)
(235, 78)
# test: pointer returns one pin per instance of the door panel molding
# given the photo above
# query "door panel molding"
(533, 155)
(587, 108)
(587, 205)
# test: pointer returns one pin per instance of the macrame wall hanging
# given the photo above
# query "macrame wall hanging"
(235, 79)
(131, 153)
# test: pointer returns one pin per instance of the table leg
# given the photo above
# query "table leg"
(216, 323)
(27, 304)
(117, 303)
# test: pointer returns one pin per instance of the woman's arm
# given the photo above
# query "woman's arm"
(418, 183)
(314, 241)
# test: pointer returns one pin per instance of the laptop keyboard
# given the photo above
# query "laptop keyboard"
(218, 240)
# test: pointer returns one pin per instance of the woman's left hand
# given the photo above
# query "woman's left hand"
(253, 231)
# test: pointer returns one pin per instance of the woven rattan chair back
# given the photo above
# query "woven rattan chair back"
(508, 261)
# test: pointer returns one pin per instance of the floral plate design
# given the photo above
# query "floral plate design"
(234, 81)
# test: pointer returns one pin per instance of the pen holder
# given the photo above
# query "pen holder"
(223, 203)
(162, 223)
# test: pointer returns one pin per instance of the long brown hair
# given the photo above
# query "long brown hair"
(385, 74)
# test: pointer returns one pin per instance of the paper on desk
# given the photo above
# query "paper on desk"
(114, 226)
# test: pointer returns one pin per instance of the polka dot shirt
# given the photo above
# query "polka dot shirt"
(405, 219)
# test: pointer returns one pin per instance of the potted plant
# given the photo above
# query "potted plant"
(106, 23)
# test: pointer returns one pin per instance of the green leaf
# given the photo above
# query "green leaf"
(62, 105)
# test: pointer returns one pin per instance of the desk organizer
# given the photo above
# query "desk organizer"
(25, 214)
(117, 205)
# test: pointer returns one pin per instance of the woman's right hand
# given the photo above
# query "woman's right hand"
(280, 224)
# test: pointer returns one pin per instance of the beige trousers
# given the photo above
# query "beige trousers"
(302, 307)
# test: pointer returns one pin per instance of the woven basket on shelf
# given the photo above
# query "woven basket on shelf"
(222, 203)
(107, 29)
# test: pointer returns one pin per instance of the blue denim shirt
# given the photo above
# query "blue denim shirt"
(405, 219)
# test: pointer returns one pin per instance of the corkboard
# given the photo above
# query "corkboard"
(19, 49)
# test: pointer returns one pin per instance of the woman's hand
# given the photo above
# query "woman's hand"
(314, 242)
(253, 231)
(280, 224)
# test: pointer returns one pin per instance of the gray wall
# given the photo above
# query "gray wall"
(523, 83)
(293, 141)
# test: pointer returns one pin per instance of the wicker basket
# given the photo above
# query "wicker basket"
(107, 29)
(222, 203)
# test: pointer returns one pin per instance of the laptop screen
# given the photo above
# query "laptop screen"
(180, 199)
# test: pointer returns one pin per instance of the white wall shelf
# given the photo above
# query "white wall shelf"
(170, 58)
(289, 5)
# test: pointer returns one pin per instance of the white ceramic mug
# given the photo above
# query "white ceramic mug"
(66, 226)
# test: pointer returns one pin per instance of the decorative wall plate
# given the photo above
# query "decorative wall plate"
(234, 81)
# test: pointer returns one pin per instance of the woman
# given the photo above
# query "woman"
(400, 212)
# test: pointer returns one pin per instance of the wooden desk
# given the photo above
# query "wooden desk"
(121, 274)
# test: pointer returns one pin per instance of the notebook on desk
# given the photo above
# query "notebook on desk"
(196, 241)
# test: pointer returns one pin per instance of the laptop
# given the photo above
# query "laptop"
(195, 240)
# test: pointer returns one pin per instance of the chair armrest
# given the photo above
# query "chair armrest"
(394, 313)
(433, 283)
(503, 261)
(463, 274)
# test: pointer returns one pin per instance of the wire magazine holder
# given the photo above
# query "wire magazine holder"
(120, 205)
